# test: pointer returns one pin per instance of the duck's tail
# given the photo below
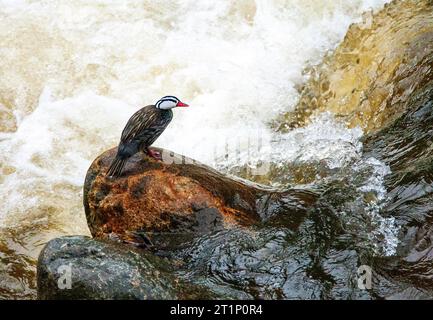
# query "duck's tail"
(116, 167)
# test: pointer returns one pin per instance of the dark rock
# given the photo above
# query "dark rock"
(105, 270)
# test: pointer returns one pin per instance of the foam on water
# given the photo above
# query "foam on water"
(385, 227)
(73, 72)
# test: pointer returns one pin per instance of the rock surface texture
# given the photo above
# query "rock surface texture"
(78, 267)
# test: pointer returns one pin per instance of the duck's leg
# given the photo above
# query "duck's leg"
(152, 153)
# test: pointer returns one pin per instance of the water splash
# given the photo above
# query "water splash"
(384, 236)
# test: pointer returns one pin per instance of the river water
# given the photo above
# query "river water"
(73, 72)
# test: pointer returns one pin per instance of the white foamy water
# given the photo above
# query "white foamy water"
(385, 233)
(73, 73)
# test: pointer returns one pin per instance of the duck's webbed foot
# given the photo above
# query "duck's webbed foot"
(154, 154)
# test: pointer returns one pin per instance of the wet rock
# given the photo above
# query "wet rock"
(406, 146)
(367, 81)
(78, 267)
(176, 196)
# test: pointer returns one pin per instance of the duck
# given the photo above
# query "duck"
(142, 130)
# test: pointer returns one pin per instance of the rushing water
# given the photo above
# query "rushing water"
(73, 72)
(376, 202)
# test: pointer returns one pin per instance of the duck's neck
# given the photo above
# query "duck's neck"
(166, 113)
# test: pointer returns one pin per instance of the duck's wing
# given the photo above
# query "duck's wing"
(143, 122)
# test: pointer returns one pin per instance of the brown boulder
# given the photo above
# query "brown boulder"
(176, 196)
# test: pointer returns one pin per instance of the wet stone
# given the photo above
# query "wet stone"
(78, 267)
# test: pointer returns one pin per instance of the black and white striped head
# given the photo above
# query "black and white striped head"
(169, 102)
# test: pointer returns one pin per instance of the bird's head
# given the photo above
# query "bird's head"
(169, 102)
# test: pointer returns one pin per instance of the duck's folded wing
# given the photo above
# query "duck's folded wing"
(142, 123)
